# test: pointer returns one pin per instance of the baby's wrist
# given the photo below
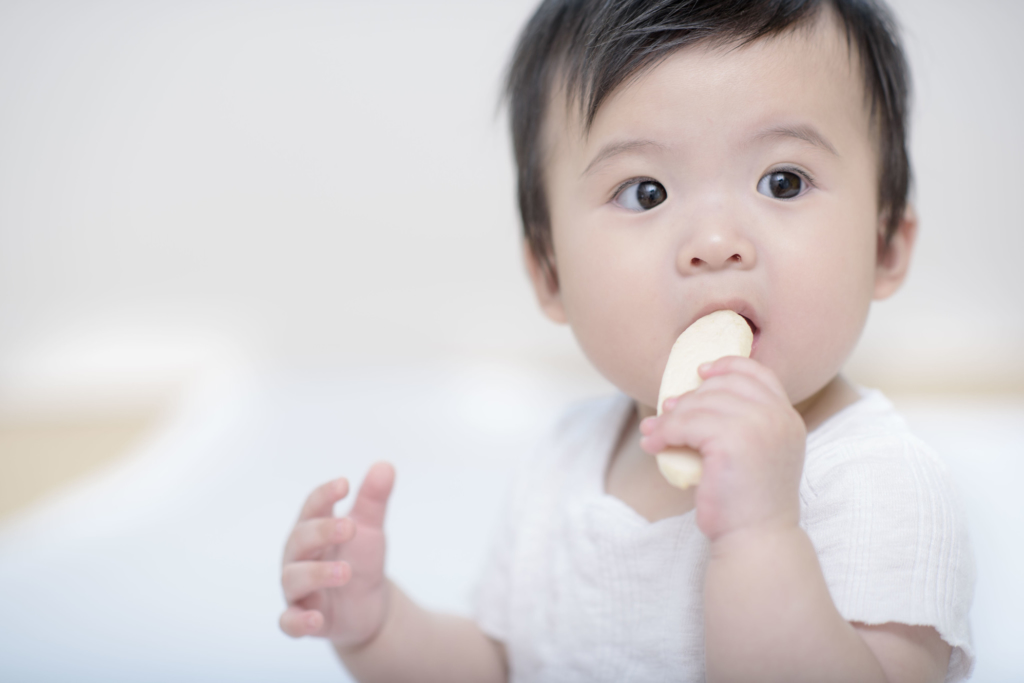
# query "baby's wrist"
(347, 649)
(778, 530)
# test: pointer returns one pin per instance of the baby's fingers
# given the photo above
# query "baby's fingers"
(299, 579)
(321, 502)
(688, 430)
(297, 622)
(313, 535)
(372, 499)
(745, 366)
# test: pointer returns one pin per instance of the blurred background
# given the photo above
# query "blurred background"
(234, 234)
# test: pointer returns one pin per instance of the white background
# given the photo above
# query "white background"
(321, 184)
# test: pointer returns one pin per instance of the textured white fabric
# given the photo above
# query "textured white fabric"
(579, 587)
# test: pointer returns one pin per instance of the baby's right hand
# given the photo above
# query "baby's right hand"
(333, 569)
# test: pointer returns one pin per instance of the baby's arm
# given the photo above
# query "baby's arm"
(334, 583)
(768, 613)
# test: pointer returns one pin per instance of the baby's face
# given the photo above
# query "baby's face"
(742, 178)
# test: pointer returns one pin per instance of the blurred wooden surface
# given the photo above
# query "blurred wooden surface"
(38, 455)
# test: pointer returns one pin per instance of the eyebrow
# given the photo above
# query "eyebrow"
(616, 148)
(800, 132)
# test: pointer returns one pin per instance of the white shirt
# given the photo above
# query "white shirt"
(580, 587)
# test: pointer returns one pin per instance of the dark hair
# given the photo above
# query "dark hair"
(596, 45)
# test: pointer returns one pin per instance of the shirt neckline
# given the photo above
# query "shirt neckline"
(613, 422)
(869, 399)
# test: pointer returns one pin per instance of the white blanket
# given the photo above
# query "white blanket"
(165, 566)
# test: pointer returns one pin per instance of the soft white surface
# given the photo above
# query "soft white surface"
(165, 567)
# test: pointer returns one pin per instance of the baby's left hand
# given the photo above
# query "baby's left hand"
(752, 444)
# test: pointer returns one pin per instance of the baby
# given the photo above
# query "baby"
(678, 157)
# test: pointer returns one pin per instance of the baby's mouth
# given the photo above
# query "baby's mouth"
(755, 330)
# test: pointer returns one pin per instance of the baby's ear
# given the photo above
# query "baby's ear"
(894, 257)
(545, 285)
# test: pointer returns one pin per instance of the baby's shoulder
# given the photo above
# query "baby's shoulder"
(882, 511)
(868, 434)
(574, 452)
(867, 455)
(585, 418)
(584, 431)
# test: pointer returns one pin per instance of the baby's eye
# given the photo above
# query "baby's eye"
(781, 185)
(641, 196)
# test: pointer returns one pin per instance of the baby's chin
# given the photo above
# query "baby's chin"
(644, 410)
(645, 396)
(803, 375)
(640, 379)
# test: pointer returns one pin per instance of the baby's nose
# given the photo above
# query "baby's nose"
(715, 249)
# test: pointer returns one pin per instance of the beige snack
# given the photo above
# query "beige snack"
(718, 334)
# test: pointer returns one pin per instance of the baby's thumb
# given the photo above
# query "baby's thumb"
(372, 499)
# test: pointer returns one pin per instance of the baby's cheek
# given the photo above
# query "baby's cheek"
(620, 351)
(819, 333)
(616, 334)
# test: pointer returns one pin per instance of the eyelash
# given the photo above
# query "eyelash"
(793, 169)
(626, 183)
(643, 179)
